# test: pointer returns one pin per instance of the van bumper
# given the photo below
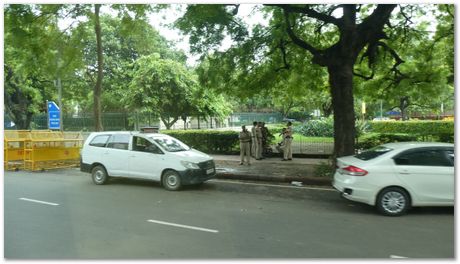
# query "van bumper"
(84, 167)
(195, 176)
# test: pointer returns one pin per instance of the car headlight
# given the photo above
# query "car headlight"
(189, 165)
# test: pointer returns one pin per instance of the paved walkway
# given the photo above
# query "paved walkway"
(299, 170)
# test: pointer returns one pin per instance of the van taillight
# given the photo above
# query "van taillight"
(353, 171)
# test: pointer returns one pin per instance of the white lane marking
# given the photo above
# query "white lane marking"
(37, 201)
(274, 185)
(397, 257)
(184, 226)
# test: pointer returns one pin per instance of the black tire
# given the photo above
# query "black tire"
(393, 201)
(171, 181)
(99, 175)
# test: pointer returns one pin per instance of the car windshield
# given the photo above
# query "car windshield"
(171, 144)
(373, 153)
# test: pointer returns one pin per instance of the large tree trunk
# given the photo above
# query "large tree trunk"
(403, 105)
(341, 85)
(167, 123)
(100, 72)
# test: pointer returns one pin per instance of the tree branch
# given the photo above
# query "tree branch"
(309, 12)
(299, 42)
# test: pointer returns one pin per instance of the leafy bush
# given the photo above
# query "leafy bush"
(431, 127)
(208, 141)
(316, 128)
(325, 127)
(434, 129)
(371, 140)
(324, 169)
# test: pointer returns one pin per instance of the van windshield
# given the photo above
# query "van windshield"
(171, 144)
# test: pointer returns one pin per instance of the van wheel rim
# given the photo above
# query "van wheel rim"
(393, 202)
(172, 180)
(99, 175)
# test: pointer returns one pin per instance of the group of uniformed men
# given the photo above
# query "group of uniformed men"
(255, 142)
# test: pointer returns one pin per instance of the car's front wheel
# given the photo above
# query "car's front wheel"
(393, 201)
(171, 181)
(99, 175)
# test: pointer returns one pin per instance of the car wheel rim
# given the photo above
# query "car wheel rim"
(172, 180)
(99, 176)
(393, 202)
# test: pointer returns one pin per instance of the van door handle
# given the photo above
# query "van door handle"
(404, 172)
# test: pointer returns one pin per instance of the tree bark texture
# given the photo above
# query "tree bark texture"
(340, 58)
(341, 87)
(100, 72)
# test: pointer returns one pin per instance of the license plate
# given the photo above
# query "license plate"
(209, 171)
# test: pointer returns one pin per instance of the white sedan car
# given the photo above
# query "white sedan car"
(396, 176)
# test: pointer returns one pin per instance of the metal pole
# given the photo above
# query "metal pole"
(60, 104)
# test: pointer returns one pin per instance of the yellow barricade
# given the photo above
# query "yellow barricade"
(42, 149)
(13, 148)
(51, 150)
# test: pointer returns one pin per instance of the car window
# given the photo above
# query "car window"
(119, 141)
(373, 153)
(171, 144)
(423, 158)
(99, 141)
(144, 145)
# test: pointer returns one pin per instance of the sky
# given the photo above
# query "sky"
(165, 18)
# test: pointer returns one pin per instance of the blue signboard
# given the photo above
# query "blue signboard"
(54, 114)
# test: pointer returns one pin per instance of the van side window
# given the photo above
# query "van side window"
(142, 144)
(99, 141)
(119, 141)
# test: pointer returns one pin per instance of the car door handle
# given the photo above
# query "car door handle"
(404, 172)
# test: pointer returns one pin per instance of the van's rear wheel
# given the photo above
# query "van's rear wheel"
(99, 175)
(171, 181)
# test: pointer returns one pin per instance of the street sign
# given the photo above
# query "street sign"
(54, 114)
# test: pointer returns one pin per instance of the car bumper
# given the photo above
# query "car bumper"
(354, 192)
(84, 167)
(195, 176)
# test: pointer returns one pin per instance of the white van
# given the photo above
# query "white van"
(151, 156)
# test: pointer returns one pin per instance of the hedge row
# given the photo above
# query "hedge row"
(208, 141)
(414, 127)
(371, 140)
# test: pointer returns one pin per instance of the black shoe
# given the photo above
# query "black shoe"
(289, 159)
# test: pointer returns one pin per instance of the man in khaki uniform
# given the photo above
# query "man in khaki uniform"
(245, 141)
(287, 154)
(254, 139)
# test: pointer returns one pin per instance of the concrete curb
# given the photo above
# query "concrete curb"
(317, 181)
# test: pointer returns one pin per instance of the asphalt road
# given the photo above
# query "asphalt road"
(63, 215)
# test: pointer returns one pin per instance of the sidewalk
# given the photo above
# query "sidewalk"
(270, 169)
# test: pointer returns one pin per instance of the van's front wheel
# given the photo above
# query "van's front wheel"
(171, 181)
(99, 175)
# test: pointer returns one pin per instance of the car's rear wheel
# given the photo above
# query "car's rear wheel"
(393, 201)
(171, 181)
(99, 175)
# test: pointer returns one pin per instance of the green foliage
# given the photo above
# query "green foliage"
(413, 127)
(371, 140)
(324, 169)
(208, 141)
(317, 128)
